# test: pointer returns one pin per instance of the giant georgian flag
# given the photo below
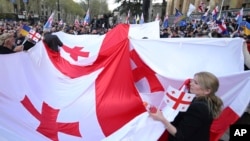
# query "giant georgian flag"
(94, 88)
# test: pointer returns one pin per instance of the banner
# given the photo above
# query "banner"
(95, 87)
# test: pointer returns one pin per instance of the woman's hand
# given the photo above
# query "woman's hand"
(157, 115)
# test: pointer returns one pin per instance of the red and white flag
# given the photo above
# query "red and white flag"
(68, 95)
(33, 35)
(177, 99)
(77, 23)
(55, 97)
(201, 7)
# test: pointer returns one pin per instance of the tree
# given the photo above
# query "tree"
(145, 8)
(163, 9)
(97, 7)
(135, 7)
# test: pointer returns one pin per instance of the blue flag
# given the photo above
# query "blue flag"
(87, 18)
(142, 19)
(165, 22)
(48, 24)
(25, 30)
(178, 16)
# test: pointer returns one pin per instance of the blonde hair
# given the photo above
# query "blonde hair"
(209, 81)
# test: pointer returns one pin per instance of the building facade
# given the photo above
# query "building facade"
(183, 5)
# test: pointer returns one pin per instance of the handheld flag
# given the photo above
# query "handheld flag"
(127, 18)
(178, 99)
(190, 9)
(246, 27)
(165, 22)
(77, 23)
(134, 20)
(178, 16)
(33, 35)
(205, 17)
(239, 16)
(61, 22)
(215, 12)
(25, 30)
(30, 33)
(48, 24)
(87, 18)
(201, 7)
(142, 19)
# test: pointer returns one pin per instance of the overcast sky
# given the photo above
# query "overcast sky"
(111, 4)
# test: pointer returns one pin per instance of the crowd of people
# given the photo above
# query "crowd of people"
(204, 84)
(192, 29)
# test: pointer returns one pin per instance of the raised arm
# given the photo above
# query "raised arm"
(246, 55)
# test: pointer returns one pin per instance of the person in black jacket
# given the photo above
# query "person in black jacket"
(52, 41)
(194, 124)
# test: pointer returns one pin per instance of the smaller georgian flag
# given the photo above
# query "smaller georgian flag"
(177, 99)
(33, 35)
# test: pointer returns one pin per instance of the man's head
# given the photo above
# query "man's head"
(7, 39)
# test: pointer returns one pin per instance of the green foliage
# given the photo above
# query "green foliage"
(9, 16)
(135, 7)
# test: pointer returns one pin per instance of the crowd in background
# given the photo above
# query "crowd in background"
(191, 29)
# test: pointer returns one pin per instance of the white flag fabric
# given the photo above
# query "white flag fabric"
(88, 91)
(149, 30)
(190, 9)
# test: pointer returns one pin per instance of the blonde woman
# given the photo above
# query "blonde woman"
(194, 124)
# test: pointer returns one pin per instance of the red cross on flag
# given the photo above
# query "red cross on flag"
(33, 35)
(178, 99)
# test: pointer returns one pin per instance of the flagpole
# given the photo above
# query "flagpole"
(220, 9)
